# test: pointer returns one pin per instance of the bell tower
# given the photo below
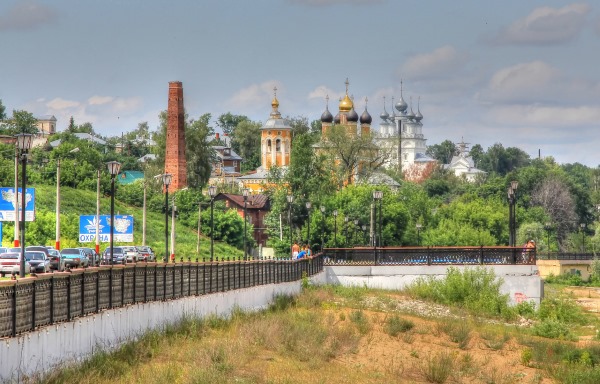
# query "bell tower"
(175, 162)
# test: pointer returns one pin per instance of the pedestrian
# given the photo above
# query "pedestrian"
(295, 250)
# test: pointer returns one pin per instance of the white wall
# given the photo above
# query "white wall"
(521, 282)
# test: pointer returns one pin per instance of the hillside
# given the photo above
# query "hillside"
(83, 202)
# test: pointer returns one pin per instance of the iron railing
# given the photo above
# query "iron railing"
(567, 256)
(428, 255)
(29, 303)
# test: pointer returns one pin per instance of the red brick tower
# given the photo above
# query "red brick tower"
(175, 162)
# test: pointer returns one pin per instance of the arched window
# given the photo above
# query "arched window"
(278, 145)
(269, 146)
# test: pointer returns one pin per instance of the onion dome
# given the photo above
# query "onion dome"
(419, 116)
(326, 117)
(365, 118)
(411, 114)
(336, 119)
(401, 105)
(346, 104)
(275, 103)
(352, 116)
(384, 115)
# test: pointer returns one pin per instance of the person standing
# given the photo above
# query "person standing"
(295, 250)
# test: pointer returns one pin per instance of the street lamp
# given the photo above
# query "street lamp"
(23, 145)
(308, 206)
(582, 225)
(419, 226)
(346, 230)
(245, 192)
(377, 195)
(322, 208)
(290, 200)
(364, 233)
(212, 192)
(113, 169)
(548, 227)
(354, 230)
(166, 179)
(512, 220)
(335, 215)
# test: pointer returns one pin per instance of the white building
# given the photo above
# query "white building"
(463, 165)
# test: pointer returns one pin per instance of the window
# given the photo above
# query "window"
(278, 145)
(268, 145)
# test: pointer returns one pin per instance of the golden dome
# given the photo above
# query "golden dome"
(275, 103)
(346, 104)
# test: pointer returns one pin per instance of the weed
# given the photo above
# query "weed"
(526, 356)
(282, 302)
(408, 337)
(553, 329)
(414, 354)
(305, 281)
(395, 325)
(494, 340)
(459, 332)
(361, 321)
(438, 368)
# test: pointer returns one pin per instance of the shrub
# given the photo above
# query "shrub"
(562, 309)
(553, 329)
(459, 332)
(438, 368)
(395, 325)
(361, 321)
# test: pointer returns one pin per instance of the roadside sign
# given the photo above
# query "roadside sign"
(7, 204)
(123, 229)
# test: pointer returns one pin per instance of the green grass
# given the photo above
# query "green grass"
(82, 202)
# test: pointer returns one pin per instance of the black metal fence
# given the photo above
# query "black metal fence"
(567, 256)
(428, 256)
(51, 298)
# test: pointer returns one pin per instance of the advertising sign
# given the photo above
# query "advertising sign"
(123, 230)
(7, 204)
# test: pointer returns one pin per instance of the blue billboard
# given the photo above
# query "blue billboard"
(123, 229)
(8, 198)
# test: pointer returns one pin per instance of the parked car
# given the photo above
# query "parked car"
(10, 263)
(74, 257)
(131, 254)
(145, 253)
(91, 255)
(57, 260)
(118, 256)
(36, 248)
(38, 261)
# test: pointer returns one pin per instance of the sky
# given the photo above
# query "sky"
(521, 73)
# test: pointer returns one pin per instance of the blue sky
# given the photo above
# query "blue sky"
(521, 73)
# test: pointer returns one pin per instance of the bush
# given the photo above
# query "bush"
(553, 329)
(565, 279)
(395, 325)
(477, 290)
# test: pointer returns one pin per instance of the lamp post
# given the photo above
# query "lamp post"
(212, 192)
(335, 215)
(166, 179)
(377, 195)
(290, 200)
(23, 145)
(113, 169)
(512, 220)
(354, 230)
(346, 218)
(308, 207)
(419, 226)
(548, 227)
(322, 208)
(364, 232)
(245, 194)
(582, 225)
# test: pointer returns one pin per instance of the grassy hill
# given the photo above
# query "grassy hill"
(83, 202)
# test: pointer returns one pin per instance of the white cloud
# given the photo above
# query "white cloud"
(434, 64)
(60, 104)
(322, 91)
(254, 95)
(26, 15)
(546, 25)
(99, 100)
(546, 116)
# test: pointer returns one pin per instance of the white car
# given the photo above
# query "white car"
(10, 263)
(131, 254)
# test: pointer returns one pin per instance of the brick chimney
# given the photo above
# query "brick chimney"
(175, 162)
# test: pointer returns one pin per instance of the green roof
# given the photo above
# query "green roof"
(128, 177)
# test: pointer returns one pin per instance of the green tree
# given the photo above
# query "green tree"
(20, 122)
(246, 142)
(443, 152)
(2, 111)
(227, 122)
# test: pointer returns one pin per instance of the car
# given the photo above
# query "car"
(131, 254)
(36, 248)
(91, 255)
(145, 253)
(74, 257)
(3, 249)
(118, 256)
(38, 261)
(57, 260)
(10, 263)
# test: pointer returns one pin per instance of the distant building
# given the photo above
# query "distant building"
(463, 165)
(46, 125)
(257, 206)
(81, 136)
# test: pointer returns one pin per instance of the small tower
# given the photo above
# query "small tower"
(175, 162)
(276, 138)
